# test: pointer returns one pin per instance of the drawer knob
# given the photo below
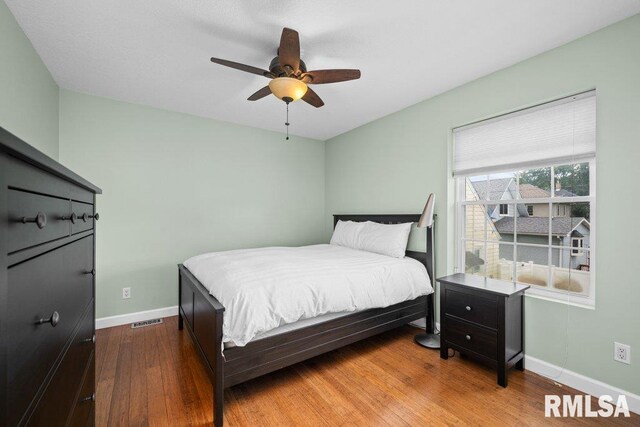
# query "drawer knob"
(89, 340)
(40, 219)
(54, 319)
(91, 398)
(468, 308)
(468, 337)
(91, 272)
(85, 217)
(73, 218)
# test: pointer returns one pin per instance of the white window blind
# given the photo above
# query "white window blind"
(560, 131)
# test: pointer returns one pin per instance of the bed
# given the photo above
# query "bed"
(260, 353)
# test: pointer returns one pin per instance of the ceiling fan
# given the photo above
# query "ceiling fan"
(289, 75)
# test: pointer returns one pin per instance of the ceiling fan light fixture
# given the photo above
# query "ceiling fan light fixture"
(288, 89)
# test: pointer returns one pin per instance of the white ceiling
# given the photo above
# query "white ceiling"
(156, 52)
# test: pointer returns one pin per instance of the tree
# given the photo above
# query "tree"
(580, 210)
(573, 178)
(540, 178)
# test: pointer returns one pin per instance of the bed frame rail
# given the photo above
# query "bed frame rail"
(270, 354)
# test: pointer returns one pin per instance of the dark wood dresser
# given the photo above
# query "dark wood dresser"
(47, 290)
(483, 318)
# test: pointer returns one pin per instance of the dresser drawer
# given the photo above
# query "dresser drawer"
(22, 204)
(22, 175)
(55, 282)
(85, 403)
(64, 392)
(472, 307)
(83, 222)
(471, 337)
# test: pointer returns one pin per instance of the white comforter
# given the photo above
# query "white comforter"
(262, 289)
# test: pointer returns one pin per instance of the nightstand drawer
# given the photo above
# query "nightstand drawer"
(472, 307)
(472, 337)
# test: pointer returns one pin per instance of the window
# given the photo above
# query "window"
(562, 210)
(542, 231)
(577, 244)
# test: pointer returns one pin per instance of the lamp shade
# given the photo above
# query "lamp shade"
(426, 219)
(287, 88)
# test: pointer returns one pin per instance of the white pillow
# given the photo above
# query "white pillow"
(385, 239)
(347, 233)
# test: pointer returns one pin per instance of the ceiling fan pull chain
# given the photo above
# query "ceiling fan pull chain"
(287, 122)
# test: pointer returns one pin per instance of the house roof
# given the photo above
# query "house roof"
(539, 225)
(529, 191)
(495, 187)
(565, 193)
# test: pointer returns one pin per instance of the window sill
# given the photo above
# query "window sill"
(575, 301)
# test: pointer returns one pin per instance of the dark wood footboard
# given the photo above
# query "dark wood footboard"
(202, 314)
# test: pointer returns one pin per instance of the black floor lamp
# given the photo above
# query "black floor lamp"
(429, 339)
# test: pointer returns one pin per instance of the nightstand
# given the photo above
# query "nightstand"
(483, 318)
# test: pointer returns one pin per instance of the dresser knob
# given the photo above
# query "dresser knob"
(40, 219)
(91, 272)
(96, 216)
(89, 340)
(84, 217)
(73, 218)
(91, 398)
(54, 319)
(468, 337)
(468, 308)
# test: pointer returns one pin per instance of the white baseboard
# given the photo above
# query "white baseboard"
(123, 319)
(580, 382)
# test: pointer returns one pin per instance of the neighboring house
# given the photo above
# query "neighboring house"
(476, 218)
(502, 189)
(532, 220)
(528, 191)
(571, 233)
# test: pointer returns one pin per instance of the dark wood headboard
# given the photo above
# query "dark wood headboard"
(426, 258)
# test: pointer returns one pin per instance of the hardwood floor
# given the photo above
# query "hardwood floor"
(153, 376)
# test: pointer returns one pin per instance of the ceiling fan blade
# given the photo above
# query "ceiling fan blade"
(265, 91)
(319, 77)
(242, 67)
(289, 50)
(312, 98)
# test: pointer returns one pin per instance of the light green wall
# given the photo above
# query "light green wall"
(28, 94)
(177, 185)
(391, 164)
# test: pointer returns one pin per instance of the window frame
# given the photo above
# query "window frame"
(577, 250)
(460, 202)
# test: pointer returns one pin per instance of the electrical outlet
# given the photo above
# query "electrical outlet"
(622, 353)
(126, 293)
